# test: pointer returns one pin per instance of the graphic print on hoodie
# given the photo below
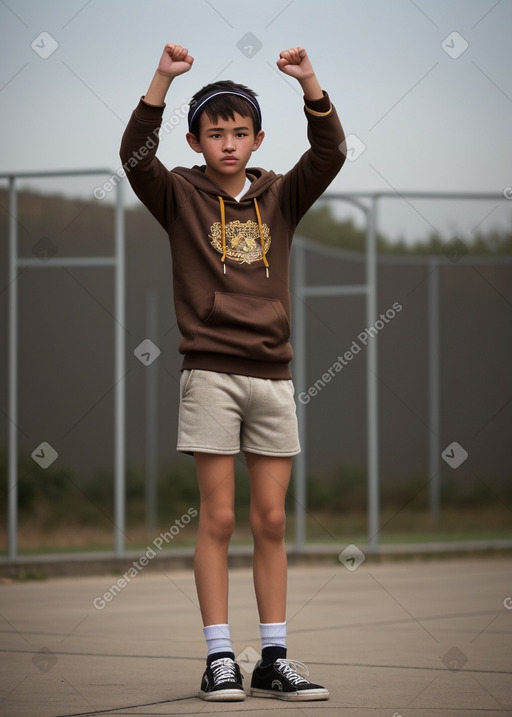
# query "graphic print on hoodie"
(244, 242)
(230, 259)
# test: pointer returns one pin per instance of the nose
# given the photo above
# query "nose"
(228, 145)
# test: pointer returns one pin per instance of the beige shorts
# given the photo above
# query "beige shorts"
(228, 413)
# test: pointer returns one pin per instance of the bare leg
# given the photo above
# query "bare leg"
(216, 478)
(269, 478)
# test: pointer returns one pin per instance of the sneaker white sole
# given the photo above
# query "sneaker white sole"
(222, 696)
(320, 694)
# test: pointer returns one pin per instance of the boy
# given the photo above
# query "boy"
(230, 229)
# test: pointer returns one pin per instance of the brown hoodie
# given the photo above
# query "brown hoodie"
(230, 259)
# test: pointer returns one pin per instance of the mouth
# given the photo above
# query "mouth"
(229, 159)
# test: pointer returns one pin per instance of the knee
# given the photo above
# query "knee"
(269, 524)
(219, 522)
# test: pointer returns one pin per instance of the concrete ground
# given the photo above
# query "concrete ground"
(409, 639)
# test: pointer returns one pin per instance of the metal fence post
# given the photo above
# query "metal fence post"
(151, 481)
(299, 371)
(372, 381)
(434, 389)
(119, 428)
(12, 514)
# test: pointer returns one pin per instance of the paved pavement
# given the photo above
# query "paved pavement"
(409, 639)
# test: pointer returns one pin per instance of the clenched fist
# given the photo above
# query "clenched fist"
(175, 61)
(295, 62)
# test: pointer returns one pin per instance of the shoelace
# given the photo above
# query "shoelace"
(224, 670)
(288, 668)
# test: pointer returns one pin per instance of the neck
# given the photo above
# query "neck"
(231, 185)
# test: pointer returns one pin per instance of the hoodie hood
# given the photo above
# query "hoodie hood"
(261, 179)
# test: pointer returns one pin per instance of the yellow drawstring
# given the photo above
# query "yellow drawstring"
(262, 240)
(223, 234)
(223, 231)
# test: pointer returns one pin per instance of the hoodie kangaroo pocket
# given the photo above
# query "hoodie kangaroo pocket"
(248, 327)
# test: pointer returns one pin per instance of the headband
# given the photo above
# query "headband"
(194, 109)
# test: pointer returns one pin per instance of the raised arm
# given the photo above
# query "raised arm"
(149, 178)
(318, 166)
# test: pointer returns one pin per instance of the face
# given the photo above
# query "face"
(226, 145)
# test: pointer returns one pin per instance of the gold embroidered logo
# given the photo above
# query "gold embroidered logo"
(242, 240)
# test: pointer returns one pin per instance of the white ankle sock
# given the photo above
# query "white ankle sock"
(218, 638)
(273, 633)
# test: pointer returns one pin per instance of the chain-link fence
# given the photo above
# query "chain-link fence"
(401, 370)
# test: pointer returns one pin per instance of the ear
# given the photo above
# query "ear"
(258, 140)
(193, 142)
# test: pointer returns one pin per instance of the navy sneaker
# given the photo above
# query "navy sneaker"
(282, 681)
(222, 682)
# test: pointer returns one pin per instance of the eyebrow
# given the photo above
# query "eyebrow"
(221, 129)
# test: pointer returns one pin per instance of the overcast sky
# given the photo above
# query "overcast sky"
(423, 89)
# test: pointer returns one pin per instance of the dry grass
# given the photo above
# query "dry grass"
(396, 527)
